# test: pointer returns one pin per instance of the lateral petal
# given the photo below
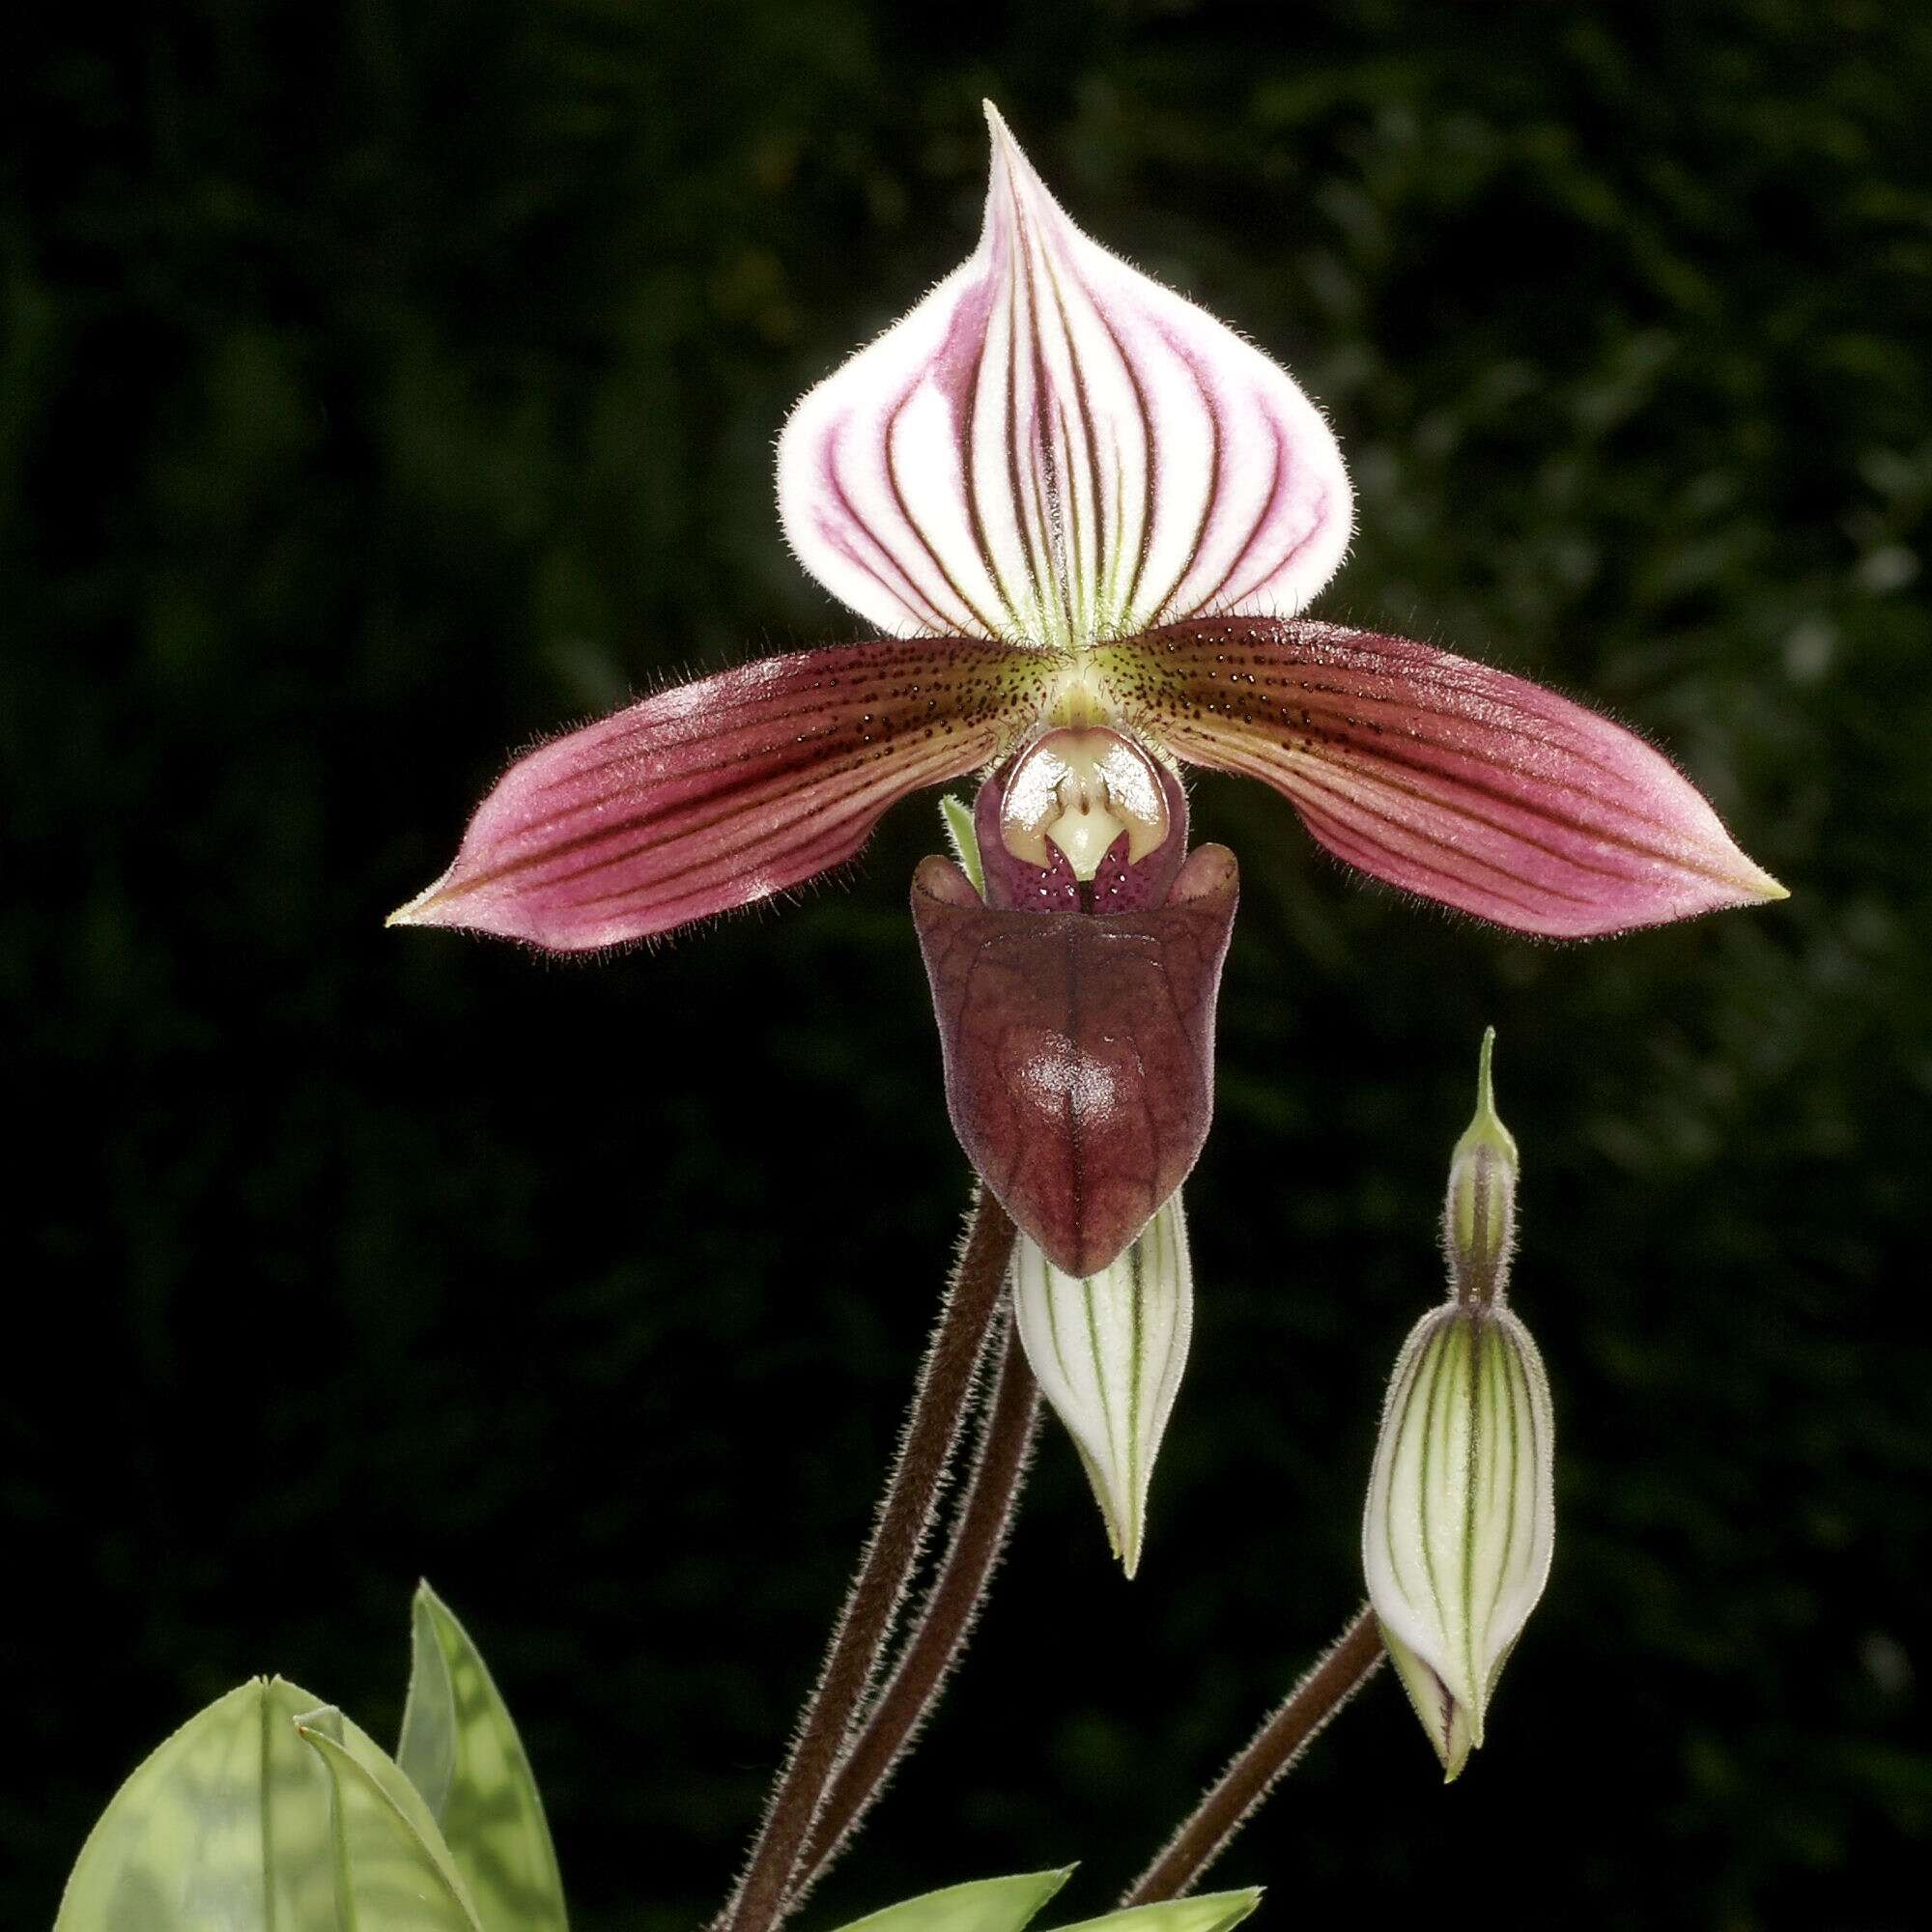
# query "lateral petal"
(1053, 449)
(1439, 774)
(723, 791)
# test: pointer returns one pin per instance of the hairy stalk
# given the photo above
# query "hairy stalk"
(1341, 1669)
(940, 1401)
(980, 1524)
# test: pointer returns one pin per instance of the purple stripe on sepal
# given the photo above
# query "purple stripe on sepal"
(1079, 1051)
(723, 791)
(1051, 447)
(1445, 777)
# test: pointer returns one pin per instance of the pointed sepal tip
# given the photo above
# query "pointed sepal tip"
(420, 910)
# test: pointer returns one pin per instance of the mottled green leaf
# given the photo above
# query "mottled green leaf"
(986, 1905)
(1207, 1912)
(226, 1828)
(392, 1872)
(383, 1772)
(461, 1751)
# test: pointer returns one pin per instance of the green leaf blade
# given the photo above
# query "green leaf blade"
(461, 1752)
(224, 1828)
(1205, 1912)
(984, 1905)
(389, 1875)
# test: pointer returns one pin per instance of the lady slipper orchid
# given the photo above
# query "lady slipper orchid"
(1085, 514)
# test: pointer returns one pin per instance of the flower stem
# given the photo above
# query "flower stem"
(945, 1619)
(939, 1404)
(1341, 1669)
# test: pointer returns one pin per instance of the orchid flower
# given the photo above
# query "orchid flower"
(1085, 515)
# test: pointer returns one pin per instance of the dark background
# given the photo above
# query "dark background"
(384, 385)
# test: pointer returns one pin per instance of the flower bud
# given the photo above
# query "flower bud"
(1108, 1352)
(1479, 1214)
(1459, 1523)
(1460, 1518)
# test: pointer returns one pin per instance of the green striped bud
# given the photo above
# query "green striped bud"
(1460, 1517)
(1479, 1214)
(1108, 1352)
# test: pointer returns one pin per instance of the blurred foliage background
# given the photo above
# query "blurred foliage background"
(384, 385)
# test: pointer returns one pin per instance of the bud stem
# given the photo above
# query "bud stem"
(1341, 1671)
(940, 1401)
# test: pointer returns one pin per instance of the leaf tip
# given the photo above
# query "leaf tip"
(1243, 1904)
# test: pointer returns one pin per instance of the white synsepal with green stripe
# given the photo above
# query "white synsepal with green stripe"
(1108, 1353)
(1460, 1517)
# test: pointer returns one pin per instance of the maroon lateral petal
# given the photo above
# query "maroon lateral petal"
(1079, 1050)
(716, 793)
(1441, 774)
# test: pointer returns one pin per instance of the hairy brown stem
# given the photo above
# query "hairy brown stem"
(945, 1619)
(939, 1406)
(1341, 1671)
